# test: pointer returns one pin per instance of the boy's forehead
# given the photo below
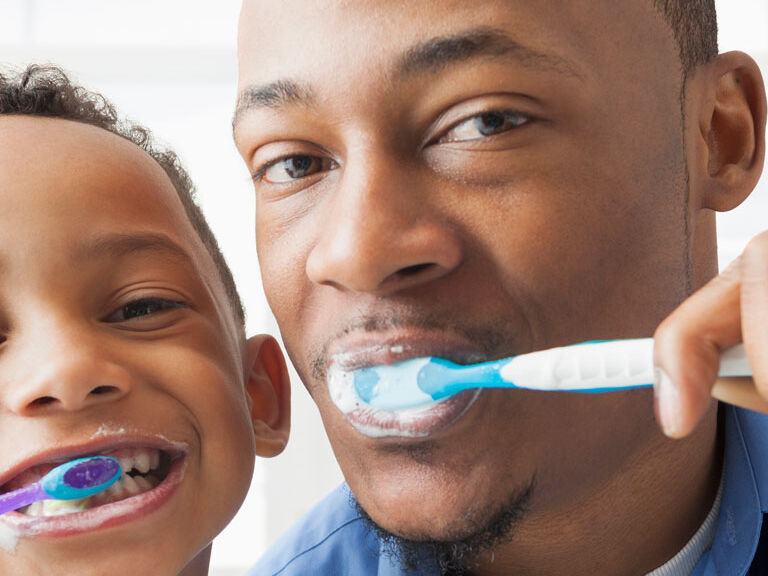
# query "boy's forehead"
(75, 166)
(71, 183)
(51, 143)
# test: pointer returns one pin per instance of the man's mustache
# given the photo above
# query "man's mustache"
(492, 338)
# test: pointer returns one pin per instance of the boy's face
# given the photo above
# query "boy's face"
(116, 337)
(472, 181)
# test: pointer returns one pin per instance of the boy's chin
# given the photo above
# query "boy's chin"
(99, 554)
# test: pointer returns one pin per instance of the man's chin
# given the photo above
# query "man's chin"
(459, 548)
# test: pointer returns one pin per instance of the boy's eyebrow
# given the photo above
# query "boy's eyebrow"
(427, 57)
(117, 245)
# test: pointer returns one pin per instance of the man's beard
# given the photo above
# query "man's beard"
(453, 557)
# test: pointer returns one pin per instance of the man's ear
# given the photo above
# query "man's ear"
(269, 392)
(731, 120)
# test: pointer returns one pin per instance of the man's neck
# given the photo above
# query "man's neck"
(629, 524)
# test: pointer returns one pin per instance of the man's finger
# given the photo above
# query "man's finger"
(687, 350)
(754, 308)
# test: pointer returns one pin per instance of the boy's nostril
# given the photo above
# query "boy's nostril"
(412, 270)
(103, 390)
(43, 401)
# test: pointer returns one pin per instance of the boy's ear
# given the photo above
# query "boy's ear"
(732, 130)
(269, 392)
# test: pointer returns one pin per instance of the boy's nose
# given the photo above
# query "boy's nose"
(382, 234)
(70, 378)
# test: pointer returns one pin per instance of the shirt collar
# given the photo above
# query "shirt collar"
(745, 493)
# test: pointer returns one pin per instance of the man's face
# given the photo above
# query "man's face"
(115, 337)
(472, 181)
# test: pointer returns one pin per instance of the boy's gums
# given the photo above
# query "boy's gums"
(120, 333)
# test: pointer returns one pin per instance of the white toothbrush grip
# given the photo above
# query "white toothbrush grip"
(601, 366)
(592, 366)
(733, 363)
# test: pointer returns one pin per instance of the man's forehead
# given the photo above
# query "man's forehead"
(275, 36)
(295, 51)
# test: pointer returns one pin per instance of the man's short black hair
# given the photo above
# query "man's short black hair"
(694, 24)
(47, 91)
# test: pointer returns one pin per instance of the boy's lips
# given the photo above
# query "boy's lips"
(378, 349)
(152, 467)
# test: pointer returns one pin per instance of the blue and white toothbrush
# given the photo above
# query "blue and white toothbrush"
(589, 367)
(70, 481)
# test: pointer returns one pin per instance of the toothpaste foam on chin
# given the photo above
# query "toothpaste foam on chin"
(9, 537)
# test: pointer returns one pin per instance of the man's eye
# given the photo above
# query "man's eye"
(292, 168)
(143, 307)
(484, 125)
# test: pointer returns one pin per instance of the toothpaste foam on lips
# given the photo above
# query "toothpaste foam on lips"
(375, 423)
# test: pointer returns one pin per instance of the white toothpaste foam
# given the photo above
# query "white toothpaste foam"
(9, 537)
(341, 387)
(108, 430)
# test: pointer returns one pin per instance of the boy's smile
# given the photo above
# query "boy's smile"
(116, 336)
(152, 470)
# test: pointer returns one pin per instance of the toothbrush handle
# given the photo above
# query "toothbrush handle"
(602, 366)
(22, 497)
(739, 392)
(588, 367)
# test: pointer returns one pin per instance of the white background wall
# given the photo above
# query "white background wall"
(170, 64)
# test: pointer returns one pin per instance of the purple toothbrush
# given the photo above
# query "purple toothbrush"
(75, 479)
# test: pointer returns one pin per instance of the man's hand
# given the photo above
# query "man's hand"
(731, 308)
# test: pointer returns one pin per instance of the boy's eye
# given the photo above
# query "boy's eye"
(292, 168)
(143, 307)
(484, 125)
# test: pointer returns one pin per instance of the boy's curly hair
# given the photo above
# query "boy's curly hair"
(47, 91)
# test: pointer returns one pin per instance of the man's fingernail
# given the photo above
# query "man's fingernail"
(668, 402)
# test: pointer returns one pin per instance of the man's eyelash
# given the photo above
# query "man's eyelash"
(258, 175)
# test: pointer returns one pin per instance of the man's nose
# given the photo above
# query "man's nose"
(64, 373)
(382, 233)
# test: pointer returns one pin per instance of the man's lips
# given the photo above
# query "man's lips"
(383, 349)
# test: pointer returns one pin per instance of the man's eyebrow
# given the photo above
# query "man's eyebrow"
(118, 245)
(273, 95)
(430, 56)
(442, 51)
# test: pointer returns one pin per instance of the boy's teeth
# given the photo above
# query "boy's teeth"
(115, 491)
(130, 485)
(142, 462)
(56, 507)
(126, 487)
(143, 483)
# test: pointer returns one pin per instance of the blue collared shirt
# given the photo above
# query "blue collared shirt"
(332, 539)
